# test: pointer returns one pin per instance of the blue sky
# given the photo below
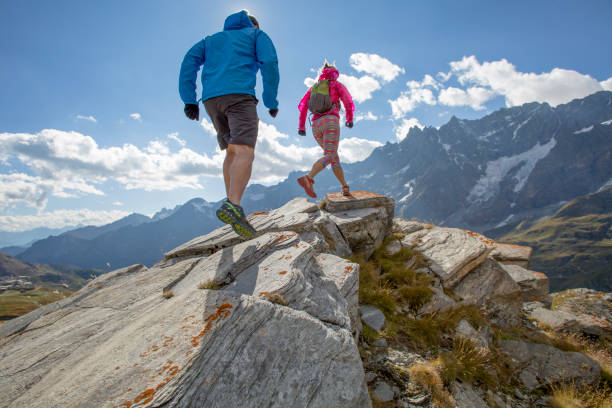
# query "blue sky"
(92, 127)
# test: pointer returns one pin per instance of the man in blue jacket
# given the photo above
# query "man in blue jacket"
(230, 60)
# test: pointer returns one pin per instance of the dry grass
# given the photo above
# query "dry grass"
(427, 376)
(209, 284)
(468, 363)
(167, 294)
(275, 298)
(572, 396)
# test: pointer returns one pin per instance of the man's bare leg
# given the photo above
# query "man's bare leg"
(239, 170)
(227, 164)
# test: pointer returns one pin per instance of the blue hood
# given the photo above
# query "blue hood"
(237, 21)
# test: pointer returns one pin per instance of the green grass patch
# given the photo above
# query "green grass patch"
(14, 303)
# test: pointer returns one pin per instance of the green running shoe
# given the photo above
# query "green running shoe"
(233, 215)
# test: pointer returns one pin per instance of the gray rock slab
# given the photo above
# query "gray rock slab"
(466, 397)
(383, 392)
(592, 308)
(296, 215)
(336, 202)
(438, 302)
(491, 287)
(332, 236)
(373, 317)
(452, 252)
(534, 285)
(541, 365)
(120, 342)
(404, 226)
(561, 320)
(464, 329)
(512, 254)
(345, 275)
(364, 229)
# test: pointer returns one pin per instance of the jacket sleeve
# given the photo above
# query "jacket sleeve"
(347, 101)
(268, 63)
(192, 62)
(303, 108)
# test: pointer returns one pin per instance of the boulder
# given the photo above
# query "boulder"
(464, 329)
(403, 226)
(383, 392)
(491, 287)
(373, 317)
(540, 365)
(586, 304)
(438, 302)
(534, 285)
(561, 320)
(258, 322)
(512, 254)
(452, 253)
(364, 228)
(466, 397)
(336, 202)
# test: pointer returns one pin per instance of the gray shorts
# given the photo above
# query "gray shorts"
(235, 119)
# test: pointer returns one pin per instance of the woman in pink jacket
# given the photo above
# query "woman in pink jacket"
(326, 129)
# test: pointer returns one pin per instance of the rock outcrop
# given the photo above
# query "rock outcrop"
(276, 320)
(220, 322)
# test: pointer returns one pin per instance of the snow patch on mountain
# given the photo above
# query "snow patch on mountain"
(515, 133)
(410, 186)
(488, 185)
(505, 221)
(403, 169)
(584, 130)
(607, 122)
(606, 184)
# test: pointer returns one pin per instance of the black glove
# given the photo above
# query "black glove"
(192, 111)
(273, 112)
(301, 132)
(349, 124)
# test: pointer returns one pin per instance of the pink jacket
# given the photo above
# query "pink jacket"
(337, 92)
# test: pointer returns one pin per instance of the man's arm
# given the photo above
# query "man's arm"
(268, 63)
(189, 71)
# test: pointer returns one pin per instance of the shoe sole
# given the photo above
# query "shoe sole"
(303, 184)
(236, 225)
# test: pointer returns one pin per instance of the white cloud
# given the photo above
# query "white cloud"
(353, 149)
(174, 136)
(88, 118)
(365, 116)
(401, 131)
(444, 76)
(473, 97)
(375, 65)
(416, 94)
(208, 127)
(117, 203)
(34, 191)
(361, 89)
(136, 116)
(68, 163)
(607, 84)
(555, 87)
(410, 99)
(59, 219)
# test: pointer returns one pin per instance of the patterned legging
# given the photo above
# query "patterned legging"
(326, 131)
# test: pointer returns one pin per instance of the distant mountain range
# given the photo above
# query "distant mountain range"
(574, 246)
(515, 164)
(132, 239)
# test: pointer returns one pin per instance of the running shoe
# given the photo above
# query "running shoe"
(233, 215)
(306, 182)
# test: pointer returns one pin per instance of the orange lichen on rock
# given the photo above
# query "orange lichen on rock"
(118, 367)
(348, 268)
(282, 272)
(222, 312)
(126, 404)
(539, 274)
(263, 293)
(258, 213)
(145, 396)
(283, 238)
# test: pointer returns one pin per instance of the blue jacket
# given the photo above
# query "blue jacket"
(231, 59)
